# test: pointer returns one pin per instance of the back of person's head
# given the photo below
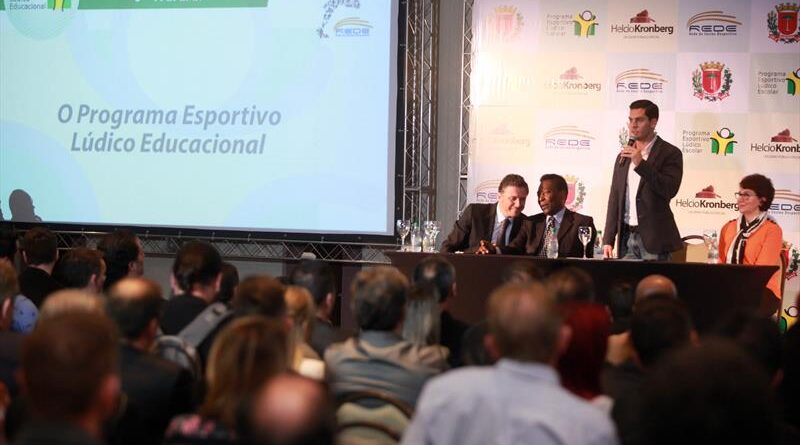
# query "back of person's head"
(713, 393)
(123, 254)
(299, 305)
(197, 264)
(655, 286)
(290, 410)
(9, 288)
(571, 284)
(40, 246)
(422, 321)
(379, 297)
(757, 335)
(790, 384)
(520, 272)
(133, 304)
(524, 323)
(437, 271)
(620, 305)
(316, 276)
(8, 244)
(229, 282)
(262, 295)
(244, 355)
(68, 362)
(71, 300)
(80, 267)
(659, 325)
(581, 364)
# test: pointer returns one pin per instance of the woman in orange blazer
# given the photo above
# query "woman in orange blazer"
(755, 237)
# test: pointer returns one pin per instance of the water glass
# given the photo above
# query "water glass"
(403, 228)
(584, 236)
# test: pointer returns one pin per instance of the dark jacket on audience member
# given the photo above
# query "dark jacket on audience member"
(323, 334)
(158, 389)
(54, 433)
(37, 284)
(453, 331)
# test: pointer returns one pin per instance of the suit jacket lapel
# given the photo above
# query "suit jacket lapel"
(566, 224)
(652, 158)
(488, 230)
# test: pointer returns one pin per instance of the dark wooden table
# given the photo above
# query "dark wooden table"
(709, 290)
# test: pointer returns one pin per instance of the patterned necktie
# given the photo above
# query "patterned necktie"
(548, 233)
(501, 238)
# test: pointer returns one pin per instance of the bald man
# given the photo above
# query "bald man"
(480, 405)
(655, 285)
(157, 388)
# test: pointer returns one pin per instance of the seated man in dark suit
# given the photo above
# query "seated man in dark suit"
(532, 238)
(157, 388)
(491, 223)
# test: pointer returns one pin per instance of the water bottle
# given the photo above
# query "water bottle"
(416, 237)
(598, 245)
(552, 244)
(713, 249)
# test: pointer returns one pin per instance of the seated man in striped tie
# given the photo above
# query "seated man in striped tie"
(555, 218)
(490, 224)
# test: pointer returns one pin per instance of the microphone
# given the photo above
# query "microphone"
(631, 141)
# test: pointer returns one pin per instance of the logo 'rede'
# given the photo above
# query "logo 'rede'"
(712, 82)
(486, 192)
(722, 142)
(640, 80)
(782, 23)
(720, 24)
(329, 8)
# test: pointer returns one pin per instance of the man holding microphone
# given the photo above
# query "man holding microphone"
(647, 174)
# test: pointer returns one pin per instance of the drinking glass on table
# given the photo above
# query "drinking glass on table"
(403, 228)
(584, 236)
(431, 229)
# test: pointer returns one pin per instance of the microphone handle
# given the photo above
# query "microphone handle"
(631, 141)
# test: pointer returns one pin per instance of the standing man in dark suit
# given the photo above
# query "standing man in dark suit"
(552, 196)
(496, 224)
(647, 174)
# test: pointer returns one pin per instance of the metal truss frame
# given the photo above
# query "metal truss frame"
(466, 105)
(417, 140)
(420, 98)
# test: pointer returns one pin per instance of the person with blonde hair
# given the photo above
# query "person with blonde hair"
(71, 300)
(246, 354)
(300, 310)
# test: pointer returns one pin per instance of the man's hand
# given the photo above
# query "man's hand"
(486, 248)
(608, 251)
(635, 154)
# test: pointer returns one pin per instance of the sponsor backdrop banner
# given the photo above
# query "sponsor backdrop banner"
(552, 80)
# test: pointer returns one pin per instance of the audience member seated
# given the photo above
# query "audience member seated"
(378, 358)
(25, 312)
(582, 362)
(790, 384)
(71, 300)
(40, 252)
(300, 310)
(490, 224)
(247, 353)
(759, 336)
(755, 237)
(124, 256)
(659, 325)
(474, 351)
(620, 346)
(69, 371)
(317, 277)
(260, 295)
(157, 388)
(82, 269)
(195, 280)
(518, 400)
(290, 410)
(10, 342)
(571, 284)
(229, 283)
(655, 285)
(441, 274)
(713, 393)
(421, 320)
(620, 305)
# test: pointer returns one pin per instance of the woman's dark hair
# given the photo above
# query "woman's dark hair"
(196, 263)
(763, 188)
